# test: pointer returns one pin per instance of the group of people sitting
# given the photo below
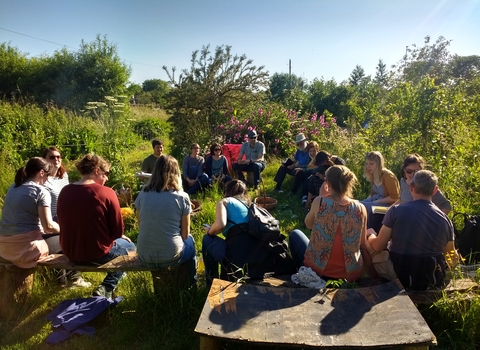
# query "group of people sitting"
(198, 173)
(44, 214)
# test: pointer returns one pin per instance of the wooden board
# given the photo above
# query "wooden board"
(376, 316)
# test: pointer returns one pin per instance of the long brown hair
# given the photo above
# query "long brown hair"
(165, 176)
(238, 190)
(33, 166)
(61, 171)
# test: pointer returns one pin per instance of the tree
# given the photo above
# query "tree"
(213, 84)
(381, 74)
(14, 67)
(330, 96)
(357, 75)
(281, 83)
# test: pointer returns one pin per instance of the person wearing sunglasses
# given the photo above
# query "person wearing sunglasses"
(216, 165)
(411, 164)
(294, 167)
(28, 233)
(91, 221)
(254, 153)
(59, 177)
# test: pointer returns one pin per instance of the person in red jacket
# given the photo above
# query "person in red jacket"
(91, 222)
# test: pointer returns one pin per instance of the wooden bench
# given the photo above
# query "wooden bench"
(15, 281)
(380, 316)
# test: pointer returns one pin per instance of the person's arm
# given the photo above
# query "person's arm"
(241, 154)
(451, 255)
(379, 243)
(185, 226)
(200, 163)
(391, 188)
(441, 202)
(48, 225)
(185, 168)
(310, 217)
(220, 219)
(145, 166)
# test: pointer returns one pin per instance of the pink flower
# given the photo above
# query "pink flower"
(277, 140)
(275, 150)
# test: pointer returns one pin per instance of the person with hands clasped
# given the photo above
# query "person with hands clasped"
(192, 170)
(254, 152)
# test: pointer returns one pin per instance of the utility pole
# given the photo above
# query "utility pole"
(289, 67)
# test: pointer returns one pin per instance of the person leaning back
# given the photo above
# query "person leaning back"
(254, 161)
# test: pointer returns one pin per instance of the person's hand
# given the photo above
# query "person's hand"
(191, 182)
(297, 170)
(320, 175)
(291, 166)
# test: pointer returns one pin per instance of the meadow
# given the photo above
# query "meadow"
(144, 320)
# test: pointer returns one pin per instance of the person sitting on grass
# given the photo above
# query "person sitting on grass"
(148, 163)
(420, 236)
(254, 152)
(294, 167)
(339, 225)
(192, 171)
(91, 221)
(216, 165)
(163, 212)
(317, 167)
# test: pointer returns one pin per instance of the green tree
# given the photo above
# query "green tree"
(14, 67)
(381, 74)
(330, 96)
(357, 75)
(214, 84)
(281, 83)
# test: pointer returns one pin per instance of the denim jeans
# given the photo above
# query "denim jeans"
(255, 167)
(119, 248)
(298, 243)
(213, 250)
(187, 256)
(202, 180)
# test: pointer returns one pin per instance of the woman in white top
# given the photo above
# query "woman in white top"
(59, 177)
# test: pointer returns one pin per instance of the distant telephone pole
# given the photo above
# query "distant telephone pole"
(289, 67)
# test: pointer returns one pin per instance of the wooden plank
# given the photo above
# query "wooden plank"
(376, 316)
(464, 286)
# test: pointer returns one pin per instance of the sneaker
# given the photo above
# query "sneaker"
(304, 198)
(79, 282)
(280, 191)
(101, 291)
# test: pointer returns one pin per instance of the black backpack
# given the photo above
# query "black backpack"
(257, 249)
(467, 240)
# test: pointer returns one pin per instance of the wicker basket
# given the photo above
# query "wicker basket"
(266, 202)
(124, 195)
(196, 206)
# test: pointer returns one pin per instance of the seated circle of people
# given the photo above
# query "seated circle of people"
(148, 163)
(384, 187)
(216, 165)
(338, 225)
(91, 221)
(230, 211)
(163, 212)
(254, 152)
(411, 164)
(294, 167)
(194, 178)
(421, 237)
(28, 233)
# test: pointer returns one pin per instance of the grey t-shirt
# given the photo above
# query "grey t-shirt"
(20, 208)
(189, 162)
(255, 152)
(159, 239)
(438, 198)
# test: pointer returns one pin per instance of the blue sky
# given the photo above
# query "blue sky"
(322, 38)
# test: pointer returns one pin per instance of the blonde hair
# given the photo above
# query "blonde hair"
(90, 162)
(376, 157)
(341, 180)
(165, 176)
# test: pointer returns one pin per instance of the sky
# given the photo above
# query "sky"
(323, 39)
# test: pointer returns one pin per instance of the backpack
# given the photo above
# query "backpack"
(262, 224)
(468, 239)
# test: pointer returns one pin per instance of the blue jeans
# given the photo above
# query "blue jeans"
(213, 251)
(202, 180)
(187, 256)
(119, 248)
(298, 243)
(255, 167)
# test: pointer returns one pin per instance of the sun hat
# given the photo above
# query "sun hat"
(300, 138)
(252, 133)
